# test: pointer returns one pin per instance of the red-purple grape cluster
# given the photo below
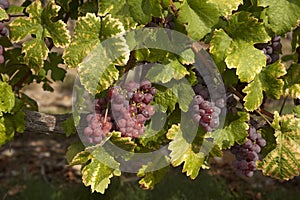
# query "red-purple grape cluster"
(100, 123)
(4, 4)
(206, 113)
(1, 54)
(247, 154)
(131, 107)
(271, 49)
(125, 110)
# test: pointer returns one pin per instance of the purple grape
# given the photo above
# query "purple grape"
(122, 123)
(138, 97)
(147, 98)
(197, 118)
(152, 90)
(261, 142)
(146, 85)
(198, 100)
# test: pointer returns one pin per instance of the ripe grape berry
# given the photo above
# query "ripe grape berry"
(205, 113)
(247, 154)
(271, 49)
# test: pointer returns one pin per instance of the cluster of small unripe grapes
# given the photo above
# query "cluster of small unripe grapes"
(271, 49)
(247, 154)
(206, 113)
(125, 110)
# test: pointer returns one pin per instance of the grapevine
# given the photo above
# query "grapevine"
(183, 80)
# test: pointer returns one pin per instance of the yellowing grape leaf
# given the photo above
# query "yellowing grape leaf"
(268, 81)
(281, 16)
(283, 162)
(40, 24)
(182, 152)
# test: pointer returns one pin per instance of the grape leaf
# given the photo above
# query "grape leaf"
(247, 60)
(292, 81)
(119, 9)
(164, 73)
(198, 17)
(13, 9)
(142, 10)
(69, 126)
(124, 143)
(296, 110)
(226, 7)
(41, 25)
(268, 81)
(151, 177)
(282, 15)
(99, 170)
(166, 99)
(184, 93)
(7, 98)
(220, 45)
(235, 130)
(57, 73)
(182, 152)
(242, 26)
(284, 161)
(73, 150)
(89, 32)
(3, 14)
(6, 130)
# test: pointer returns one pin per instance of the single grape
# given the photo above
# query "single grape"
(138, 97)
(122, 123)
(146, 85)
(261, 142)
(147, 98)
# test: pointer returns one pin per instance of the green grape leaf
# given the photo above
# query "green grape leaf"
(247, 60)
(182, 152)
(122, 142)
(64, 4)
(283, 162)
(150, 175)
(226, 7)
(41, 25)
(296, 110)
(281, 16)
(6, 130)
(89, 32)
(73, 150)
(268, 81)
(7, 98)
(118, 9)
(142, 10)
(235, 130)
(57, 73)
(85, 38)
(187, 57)
(164, 73)
(69, 126)
(99, 170)
(242, 26)
(166, 99)
(198, 17)
(184, 93)
(292, 81)
(3, 14)
(220, 45)
(13, 9)
(18, 121)
(80, 158)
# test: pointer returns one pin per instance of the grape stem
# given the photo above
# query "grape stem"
(174, 9)
(259, 111)
(282, 106)
(106, 113)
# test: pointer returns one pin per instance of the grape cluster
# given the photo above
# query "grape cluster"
(247, 154)
(131, 107)
(1, 54)
(271, 49)
(205, 113)
(125, 110)
(100, 123)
